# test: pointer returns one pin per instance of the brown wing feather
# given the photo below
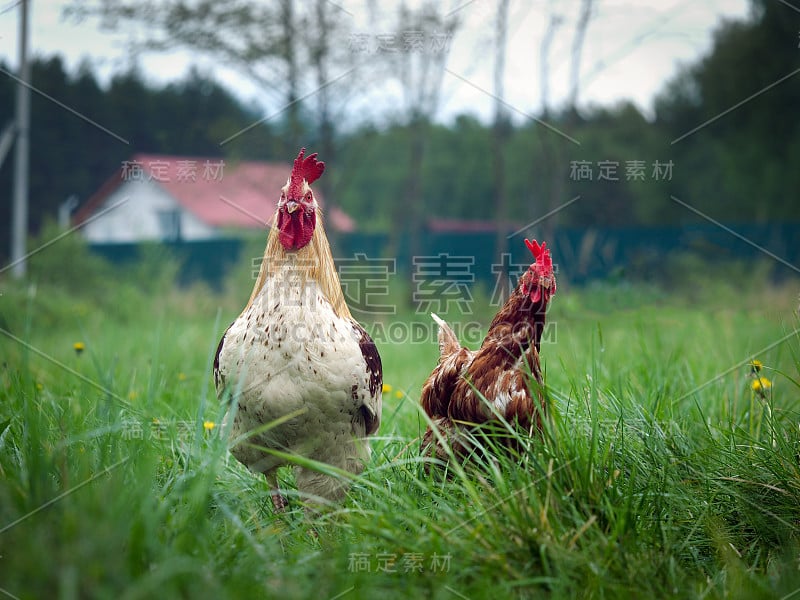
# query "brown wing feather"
(504, 386)
(372, 359)
(438, 389)
(453, 362)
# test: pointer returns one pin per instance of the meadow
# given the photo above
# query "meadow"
(668, 467)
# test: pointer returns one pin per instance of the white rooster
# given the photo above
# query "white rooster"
(296, 353)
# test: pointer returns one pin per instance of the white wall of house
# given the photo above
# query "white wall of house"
(143, 211)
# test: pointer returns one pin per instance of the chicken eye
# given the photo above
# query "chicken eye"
(283, 196)
(308, 197)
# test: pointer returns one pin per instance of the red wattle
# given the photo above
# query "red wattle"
(295, 229)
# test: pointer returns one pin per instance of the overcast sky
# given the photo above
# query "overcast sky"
(632, 48)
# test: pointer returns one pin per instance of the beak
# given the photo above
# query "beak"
(291, 206)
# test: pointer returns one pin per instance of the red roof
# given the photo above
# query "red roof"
(220, 193)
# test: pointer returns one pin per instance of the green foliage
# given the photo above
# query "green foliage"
(68, 283)
(62, 259)
(735, 163)
(242, 276)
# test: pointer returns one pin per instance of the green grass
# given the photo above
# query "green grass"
(659, 474)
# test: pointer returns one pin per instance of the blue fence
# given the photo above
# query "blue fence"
(580, 254)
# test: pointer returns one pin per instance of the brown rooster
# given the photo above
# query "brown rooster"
(469, 388)
(300, 369)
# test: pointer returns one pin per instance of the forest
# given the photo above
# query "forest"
(721, 139)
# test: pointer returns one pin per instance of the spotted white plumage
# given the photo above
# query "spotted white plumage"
(290, 353)
(295, 358)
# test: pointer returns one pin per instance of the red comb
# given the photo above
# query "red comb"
(541, 255)
(308, 168)
(535, 248)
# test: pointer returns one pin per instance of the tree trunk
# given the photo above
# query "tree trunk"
(293, 125)
(408, 219)
(500, 136)
(551, 187)
(326, 147)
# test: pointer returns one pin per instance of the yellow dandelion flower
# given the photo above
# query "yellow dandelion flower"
(756, 365)
(39, 387)
(386, 388)
(78, 347)
(132, 395)
(760, 384)
(398, 394)
(209, 425)
(181, 376)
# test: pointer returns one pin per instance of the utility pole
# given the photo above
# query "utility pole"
(19, 218)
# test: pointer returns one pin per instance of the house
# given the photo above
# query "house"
(169, 198)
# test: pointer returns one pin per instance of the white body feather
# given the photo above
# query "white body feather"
(289, 352)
